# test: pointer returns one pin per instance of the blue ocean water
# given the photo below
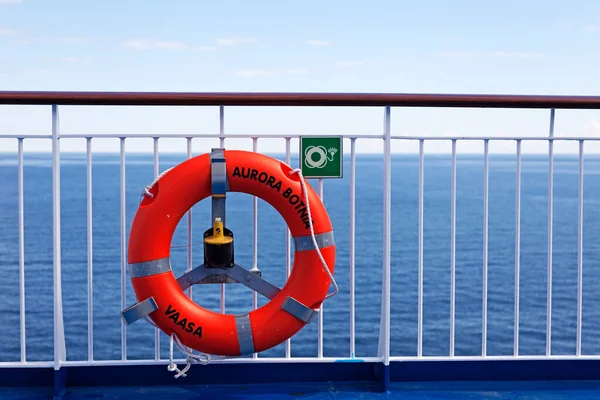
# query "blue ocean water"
(271, 256)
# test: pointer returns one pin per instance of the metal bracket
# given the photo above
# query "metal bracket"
(298, 310)
(219, 183)
(235, 274)
(138, 310)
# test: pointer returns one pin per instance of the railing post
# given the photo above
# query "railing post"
(222, 145)
(21, 251)
(288, 246)
(254, 268)
(384, 323)
(59, 333)
(550, 226)
(352, 245)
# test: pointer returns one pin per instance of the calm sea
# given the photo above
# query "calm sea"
(271, 256)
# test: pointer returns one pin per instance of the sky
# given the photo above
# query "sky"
(508, 47)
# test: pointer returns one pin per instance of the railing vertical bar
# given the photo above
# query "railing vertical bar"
(484, 295)
(420, 251)
(453, 250)
(517, 251)
(222, 145)
(352, 244)
(321, 310)
(288, 247)
(90, 254)
(189, 224)
(254, 238)
(59, 331)
(580, 250)
(384, 323)
(22, 253)
(156, 171)
(123, 251)
(550, 219)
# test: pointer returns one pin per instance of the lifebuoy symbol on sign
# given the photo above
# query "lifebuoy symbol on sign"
(321, 152)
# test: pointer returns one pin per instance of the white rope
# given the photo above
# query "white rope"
(312, 232)
(146, 191)
(202, 358)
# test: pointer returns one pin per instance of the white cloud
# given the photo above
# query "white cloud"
(6, 31)
(150, 44)
(513, 54)
(54, 40)
(153, 44)
(319, 42)
(68, 59)
(147, 44)
(458, 54)
(591, 28)
(233, 41)
(493, 54)
(11, 2)
(351, 63)
(252, 73)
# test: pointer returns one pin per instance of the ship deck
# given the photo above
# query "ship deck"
(328, 390)
(485, 379)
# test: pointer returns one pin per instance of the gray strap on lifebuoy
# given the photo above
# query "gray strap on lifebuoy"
(305, 243)
(298, 310)
(219, 183)
(138, 311)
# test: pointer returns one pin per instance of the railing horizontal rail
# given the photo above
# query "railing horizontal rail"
(295, 136)
(298, 99)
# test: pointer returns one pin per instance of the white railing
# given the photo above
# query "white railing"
(384, 350)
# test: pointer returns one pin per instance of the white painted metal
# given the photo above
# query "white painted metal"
(580, 250)
(189, 224)
(21, 253)
(484, 290)
(352, 245)
(90, 254)
(453, 251)
(517, 252)
(420, 251)
(222, 145)
(550, 219)
(288, 246)
(59, 330)
(321, 310)
(384, 323)
(124, 251)
(297, 135)
(156, 173)
(183, 135)
(254, 238)
(27, 364)
(260, 360)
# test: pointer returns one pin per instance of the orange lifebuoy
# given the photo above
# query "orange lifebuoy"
(171, 196)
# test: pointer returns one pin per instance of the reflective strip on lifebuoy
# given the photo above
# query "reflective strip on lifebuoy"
(225, 334)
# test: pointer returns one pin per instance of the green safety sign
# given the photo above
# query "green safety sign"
(321, 156)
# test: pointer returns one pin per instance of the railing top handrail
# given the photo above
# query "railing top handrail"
(297, 99)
